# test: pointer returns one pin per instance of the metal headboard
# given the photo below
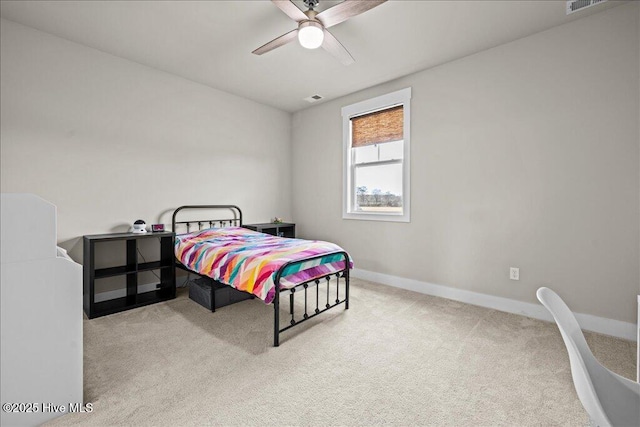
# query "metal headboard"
(222, 222)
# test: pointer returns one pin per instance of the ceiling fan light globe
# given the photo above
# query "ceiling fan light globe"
(310, 36)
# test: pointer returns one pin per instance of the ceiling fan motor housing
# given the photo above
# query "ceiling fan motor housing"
(310, 23)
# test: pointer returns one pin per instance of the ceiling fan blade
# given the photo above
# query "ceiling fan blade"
(290, 9)
(345, 10)
(335, 48)
(277, 42)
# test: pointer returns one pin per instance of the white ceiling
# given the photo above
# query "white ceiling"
(210, 42)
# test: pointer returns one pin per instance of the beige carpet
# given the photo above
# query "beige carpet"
(394, 358)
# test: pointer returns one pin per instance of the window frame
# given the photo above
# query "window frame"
(400, 97)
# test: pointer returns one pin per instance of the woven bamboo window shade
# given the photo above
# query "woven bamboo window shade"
(378, 127)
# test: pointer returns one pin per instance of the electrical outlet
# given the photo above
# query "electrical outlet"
(514, 273)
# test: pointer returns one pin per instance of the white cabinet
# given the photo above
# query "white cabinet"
(41, 312)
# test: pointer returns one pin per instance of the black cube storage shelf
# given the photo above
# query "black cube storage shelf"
(166, 288)
(284, 229)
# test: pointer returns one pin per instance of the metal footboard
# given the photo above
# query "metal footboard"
(303, 288)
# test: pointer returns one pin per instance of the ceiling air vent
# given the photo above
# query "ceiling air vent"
(576, 5)
(313, 98)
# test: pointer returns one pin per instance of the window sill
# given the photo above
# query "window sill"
(377, 217)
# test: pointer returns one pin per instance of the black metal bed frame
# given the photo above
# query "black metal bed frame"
(330, 302)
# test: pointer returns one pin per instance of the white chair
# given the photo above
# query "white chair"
(608, 398)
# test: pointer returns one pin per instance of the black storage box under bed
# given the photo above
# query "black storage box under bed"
(200, 292)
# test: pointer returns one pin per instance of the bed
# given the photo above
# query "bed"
(268, 267)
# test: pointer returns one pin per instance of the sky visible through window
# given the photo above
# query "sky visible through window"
(386, 178)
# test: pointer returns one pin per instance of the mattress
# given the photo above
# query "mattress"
(249, 261)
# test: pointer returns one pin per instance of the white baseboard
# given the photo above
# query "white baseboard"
(589, 322)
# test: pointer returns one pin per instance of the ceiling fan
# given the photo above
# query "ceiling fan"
(312, 26)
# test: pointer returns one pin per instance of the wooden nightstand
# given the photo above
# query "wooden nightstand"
(283, 229)
(129, 272)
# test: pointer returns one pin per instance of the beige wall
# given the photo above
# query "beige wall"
(109, 141)
(524, 155)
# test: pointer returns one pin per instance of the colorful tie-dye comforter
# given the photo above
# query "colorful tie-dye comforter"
(249, 261)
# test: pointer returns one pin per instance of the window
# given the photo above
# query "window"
(376, 158)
